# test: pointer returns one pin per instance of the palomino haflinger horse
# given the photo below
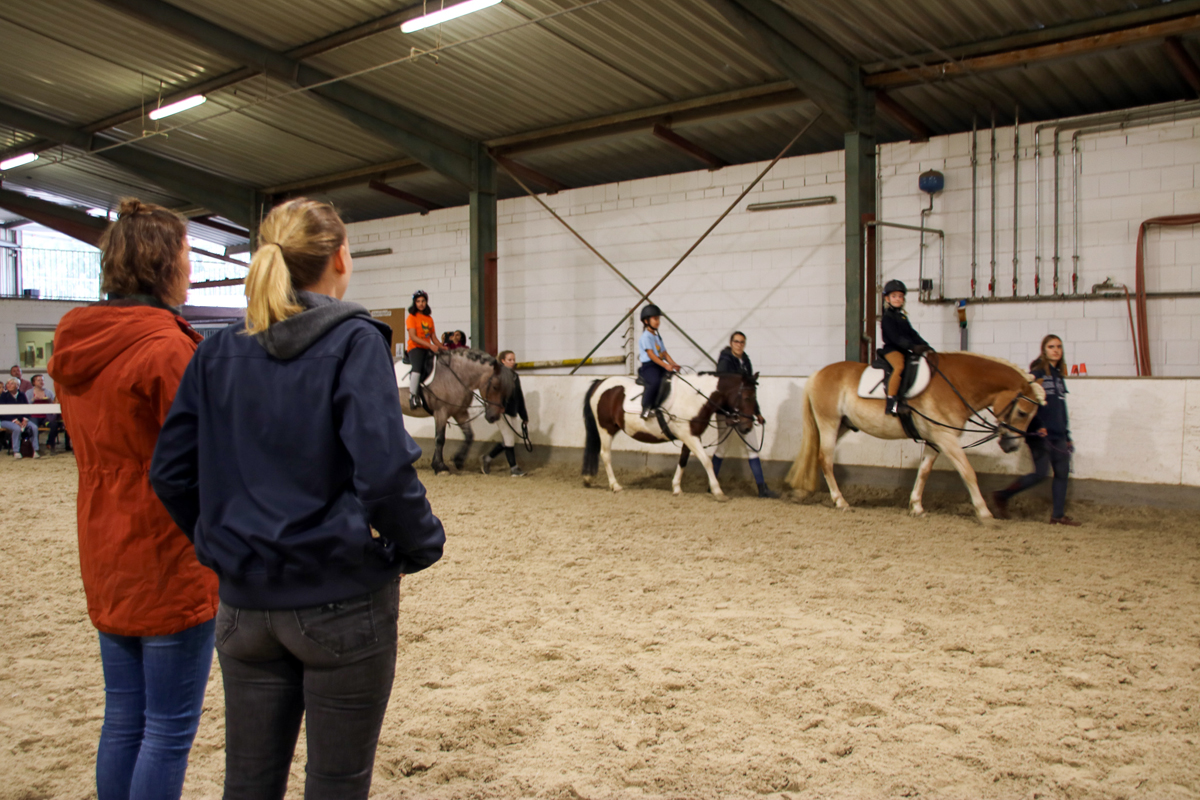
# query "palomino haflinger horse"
(961, 385)
(458, 377)
(613, 405)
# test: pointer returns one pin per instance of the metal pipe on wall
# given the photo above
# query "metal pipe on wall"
(992, 279)
(1016, 196)
(974, 204)
(875, 223)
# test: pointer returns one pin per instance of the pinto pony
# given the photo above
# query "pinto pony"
(611, 406)
(962, 384)
(459, 376)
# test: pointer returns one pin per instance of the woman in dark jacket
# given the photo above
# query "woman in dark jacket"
(514, 410)
(285, 456)
(734, 359)
(1049, 435)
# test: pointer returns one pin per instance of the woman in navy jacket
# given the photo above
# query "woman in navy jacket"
(285, 457)
(1049, 435)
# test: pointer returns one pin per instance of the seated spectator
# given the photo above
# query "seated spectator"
(40, 394)
(23, 385)
(13, 423)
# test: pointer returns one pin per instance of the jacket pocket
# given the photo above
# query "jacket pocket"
(340, 628)
(227, 623)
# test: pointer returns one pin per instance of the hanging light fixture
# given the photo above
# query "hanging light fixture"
(175, 108)
(17, 161)
(446, 14)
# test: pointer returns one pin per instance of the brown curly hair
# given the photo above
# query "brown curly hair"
(144, 252)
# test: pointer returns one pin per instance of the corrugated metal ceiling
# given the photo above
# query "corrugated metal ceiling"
(78, 61)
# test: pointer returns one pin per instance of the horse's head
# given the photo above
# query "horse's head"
(496, 390)
(737, 400)
(1015, 409)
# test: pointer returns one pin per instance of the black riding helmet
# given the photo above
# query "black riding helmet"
(649, 311)
(895, 286)
(420, 293)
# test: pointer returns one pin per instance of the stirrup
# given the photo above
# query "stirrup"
(892, 406)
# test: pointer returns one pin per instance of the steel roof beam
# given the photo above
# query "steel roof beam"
(530, 174)
(69, 221)
(694, 150)
(1041, 54)
(318, 47)
(885, 103)
(420, 202)
(1184, 64)
(806, 59)
(440, 148)
(749, 100)
(229, 199)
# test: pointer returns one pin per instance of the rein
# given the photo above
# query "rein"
(730, 414)
(474, 393)
(991, 430)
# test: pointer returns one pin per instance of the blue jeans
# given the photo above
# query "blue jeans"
(154, 691)
(15, 429)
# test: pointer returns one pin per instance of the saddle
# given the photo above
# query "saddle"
(404, 370)
(873, 384)
(633, 402)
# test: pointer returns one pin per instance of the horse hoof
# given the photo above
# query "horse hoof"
(916, 512)
(677, 492)
(721, 498)
(459, 463)
(617, 488)
(842, 505)
(587, 481)
(989, 521)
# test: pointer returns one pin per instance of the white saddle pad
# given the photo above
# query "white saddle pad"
(871, 385)
(633, 402)
(404, 370)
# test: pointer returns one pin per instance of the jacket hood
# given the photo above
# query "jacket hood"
(89, 339)
(292, 336)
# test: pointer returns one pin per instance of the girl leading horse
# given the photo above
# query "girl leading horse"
(962, 385)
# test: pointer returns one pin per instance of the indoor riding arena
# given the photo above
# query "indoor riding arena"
(562, 179)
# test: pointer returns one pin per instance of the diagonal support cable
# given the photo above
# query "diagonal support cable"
(643, 295)
(703, 236)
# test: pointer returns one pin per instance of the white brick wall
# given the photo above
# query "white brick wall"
(777, 275)
(31, 313)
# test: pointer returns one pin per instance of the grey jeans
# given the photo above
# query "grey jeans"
(335, 663)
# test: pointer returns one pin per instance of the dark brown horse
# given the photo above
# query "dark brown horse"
(613, 405)
(962, 384)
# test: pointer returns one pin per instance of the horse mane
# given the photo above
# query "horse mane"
(508, 379)
(1039, 393)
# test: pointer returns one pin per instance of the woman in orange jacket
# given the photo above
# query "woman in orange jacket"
(117, 365)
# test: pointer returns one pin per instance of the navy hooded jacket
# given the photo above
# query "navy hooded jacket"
(285, 457)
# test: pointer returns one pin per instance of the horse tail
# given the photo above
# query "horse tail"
(806, 469)
(591, 450)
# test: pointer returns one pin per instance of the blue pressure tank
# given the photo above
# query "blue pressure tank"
(931, 181)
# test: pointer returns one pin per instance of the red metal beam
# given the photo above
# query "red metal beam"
(885, 103)
(530, 174)
(1070, 48)
(691, 148)
(1183, 61)
(420, 202)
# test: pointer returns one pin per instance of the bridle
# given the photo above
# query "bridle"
(474, 393)
(990, 430)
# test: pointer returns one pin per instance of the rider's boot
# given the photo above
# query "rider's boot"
(414, 401)
(892, 407)
(647, 413)
(485, 465)
(765, 491)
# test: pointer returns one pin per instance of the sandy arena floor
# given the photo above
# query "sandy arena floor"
(576, 644)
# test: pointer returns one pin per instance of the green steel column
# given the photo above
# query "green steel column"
(860, 206)
(483, 238)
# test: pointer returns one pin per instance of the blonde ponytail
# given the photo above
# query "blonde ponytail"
(269, 295)
(297, 240)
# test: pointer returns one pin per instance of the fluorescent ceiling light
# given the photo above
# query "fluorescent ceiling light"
(175, 108)
(17, 161)
(446, 14)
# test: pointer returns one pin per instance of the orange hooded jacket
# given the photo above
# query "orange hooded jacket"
(116, 367)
